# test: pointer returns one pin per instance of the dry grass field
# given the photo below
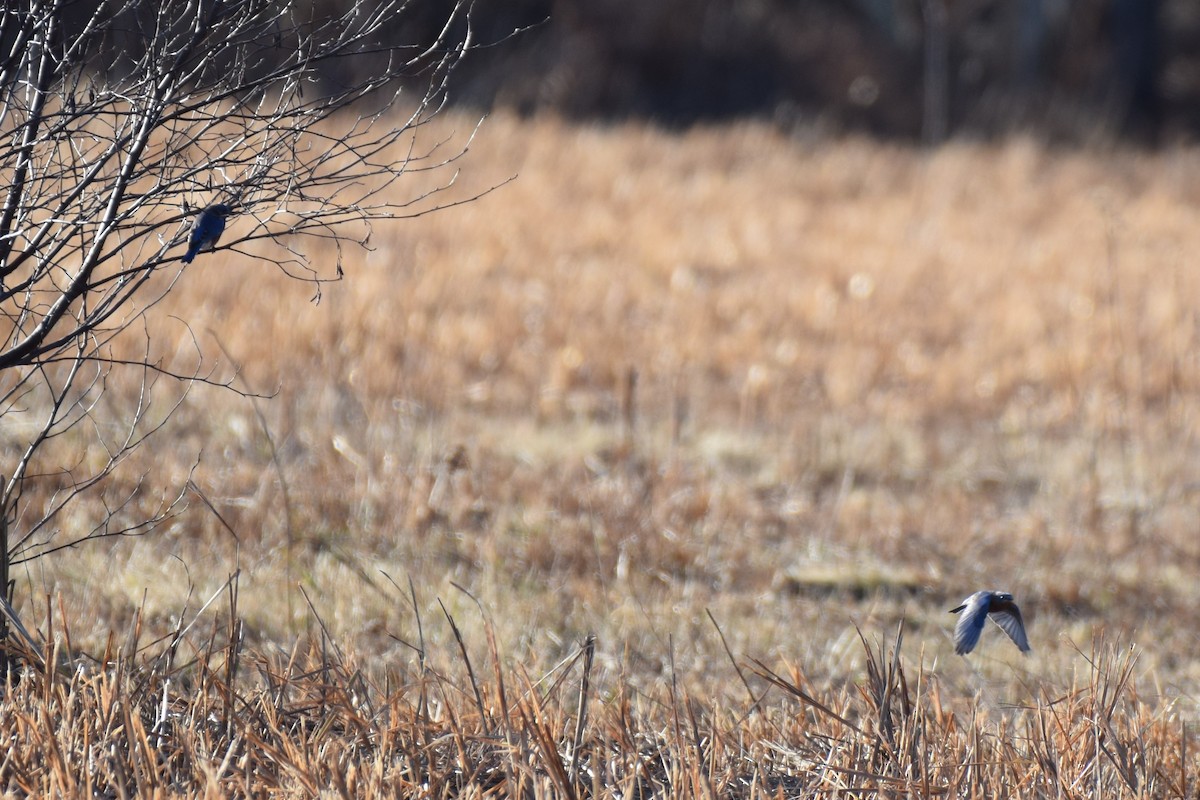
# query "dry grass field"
(753, 410)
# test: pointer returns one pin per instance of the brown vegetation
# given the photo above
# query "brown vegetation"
(742, 406)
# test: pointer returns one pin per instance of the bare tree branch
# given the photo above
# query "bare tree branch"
(115, 130)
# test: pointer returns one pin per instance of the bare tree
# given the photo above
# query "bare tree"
(118, 122)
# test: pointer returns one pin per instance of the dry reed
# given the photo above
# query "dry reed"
(735, 403)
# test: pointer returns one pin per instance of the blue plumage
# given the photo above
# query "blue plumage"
(978, 607)
(206, 230)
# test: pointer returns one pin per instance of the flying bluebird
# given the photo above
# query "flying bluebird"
(206, 230)
(997, 605)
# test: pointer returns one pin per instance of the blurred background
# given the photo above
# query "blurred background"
(730, 349)
(1074, 70)
(913, 69)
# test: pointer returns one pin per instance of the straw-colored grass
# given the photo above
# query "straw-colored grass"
(742, 406)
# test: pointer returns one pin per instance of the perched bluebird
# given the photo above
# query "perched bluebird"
(997, 605)
(206, 230)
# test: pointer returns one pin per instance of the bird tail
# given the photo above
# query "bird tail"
(188, 256)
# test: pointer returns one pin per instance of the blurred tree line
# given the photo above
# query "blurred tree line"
(911, 68)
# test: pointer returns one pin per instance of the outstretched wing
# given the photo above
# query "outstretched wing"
(970, 624)
(1008, 617)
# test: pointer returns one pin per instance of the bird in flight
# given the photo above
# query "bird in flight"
(206, 230)
(976, 608)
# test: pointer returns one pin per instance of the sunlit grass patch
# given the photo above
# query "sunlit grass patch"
(714, 397)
